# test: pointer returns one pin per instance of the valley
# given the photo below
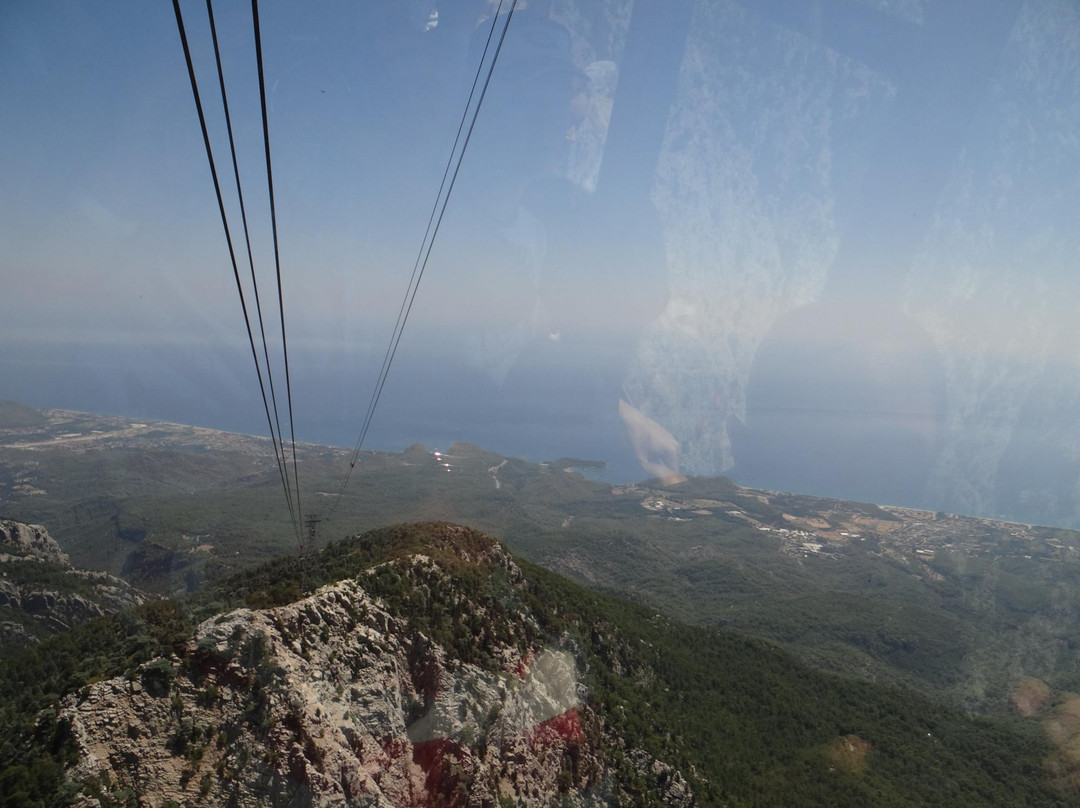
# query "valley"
(961, 609)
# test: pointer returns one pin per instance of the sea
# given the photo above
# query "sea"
(541, 411)
(538, 414)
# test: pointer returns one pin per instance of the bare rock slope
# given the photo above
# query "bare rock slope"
(339, 699)
(18, 538)
(42, 594)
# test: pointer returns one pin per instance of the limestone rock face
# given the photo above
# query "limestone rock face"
(41, 593)
(22, 539)
(338, 700)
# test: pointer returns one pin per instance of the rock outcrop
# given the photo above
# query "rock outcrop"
(41, 593)
(338, 699)
(20, 539)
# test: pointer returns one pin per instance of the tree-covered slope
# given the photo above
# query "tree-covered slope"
(663, 710)
(965, 610)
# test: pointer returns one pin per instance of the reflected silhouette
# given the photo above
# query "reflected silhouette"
(564, 281)
(846, 396)
(843, 400)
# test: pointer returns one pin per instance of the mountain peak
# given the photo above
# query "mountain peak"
(438, 539)
(408, 683)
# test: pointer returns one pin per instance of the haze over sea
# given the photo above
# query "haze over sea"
(431, 400)
(436, 398)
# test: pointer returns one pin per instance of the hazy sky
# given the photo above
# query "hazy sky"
(107, 202)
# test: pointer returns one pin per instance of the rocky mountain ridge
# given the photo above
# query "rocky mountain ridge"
(334, 699)
(421, 664)
(20, 540)
(41, 593)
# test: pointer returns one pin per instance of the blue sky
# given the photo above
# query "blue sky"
(107, 202)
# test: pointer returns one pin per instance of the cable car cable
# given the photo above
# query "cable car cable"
(434, 210)
(276, 438)
(277, 252)
(225, 225)
(410, 294)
